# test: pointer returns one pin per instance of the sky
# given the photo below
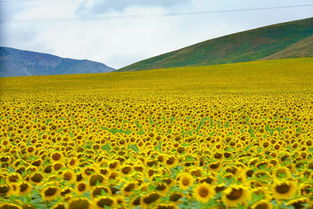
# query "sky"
(121, 41)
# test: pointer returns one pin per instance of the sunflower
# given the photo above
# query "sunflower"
(9, 206)
(203, 192)
(104, 202)
(262, 204)
(24, 188)
(161, 187)
(81, 187)
(96, 179)
(305, 190)
(50, 193)
(69, 176)
(128, 188)
(170, 161)
(100, 191)
(56, 156)
(136, 201)
(65, 191)
(166, 206)
(185, 180)
(282, 172)
(73, 163)
(262, 191)
(58, 206)
(80, 203)
(298, 203)
(126, 169)
(14, 178)
(58, 166)
(236, 195)
(283, 190)
(36, 178)
(150, 198)
(5, 189)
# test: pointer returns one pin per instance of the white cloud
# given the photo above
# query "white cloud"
(122, 42)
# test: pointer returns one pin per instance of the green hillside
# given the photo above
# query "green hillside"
(270, 42)
(303, 48)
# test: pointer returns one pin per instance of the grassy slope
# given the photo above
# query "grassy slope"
(288, 75)
(303, 48)
(245, 46)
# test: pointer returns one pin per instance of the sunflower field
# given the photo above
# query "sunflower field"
(228, 136)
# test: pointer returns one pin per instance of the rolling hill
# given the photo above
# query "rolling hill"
(286, 75)
(14, 62)
(285, 40)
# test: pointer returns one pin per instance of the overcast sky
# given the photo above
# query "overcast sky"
(119, 42)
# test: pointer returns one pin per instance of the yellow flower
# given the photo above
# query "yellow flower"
(166, 206)
(24, 188)
(282, 172)
(136, 201)
(283, 190)
(9, 206)
(81, 203)
(236, 195)
(128, 188)
(185, 180)
(104, 202)
(59, 206)
(203, 192)
(262, 204)
(150, 198)
(298, 203)
(81, 187)
(56, 156)
(96, 179)
(100, 191)
(5, 189)
(36, 178)
(50, 193)
(69, 176)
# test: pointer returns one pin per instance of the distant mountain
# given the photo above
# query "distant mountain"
(14, 62)
(285, 40)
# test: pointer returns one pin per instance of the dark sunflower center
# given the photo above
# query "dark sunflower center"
(13, 178)
(203, 192)
(129, 187)
(56, 156)
(23, 187)
(126, 170)
(161, 187)
(283, 188)
(4, 189)
(136, 201)
(186, 181)
(151, 198)
(37, 177)
(105, 202)
(174, 197)
(170, 161)
(235, 194)
(95, 179)
(81, 187)
(79, 204)
(67, 176)
(50, 191)
(262, 206)
(99, 191)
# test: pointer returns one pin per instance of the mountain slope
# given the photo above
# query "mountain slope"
(303, 48)
(14, 62)
(240, 47)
